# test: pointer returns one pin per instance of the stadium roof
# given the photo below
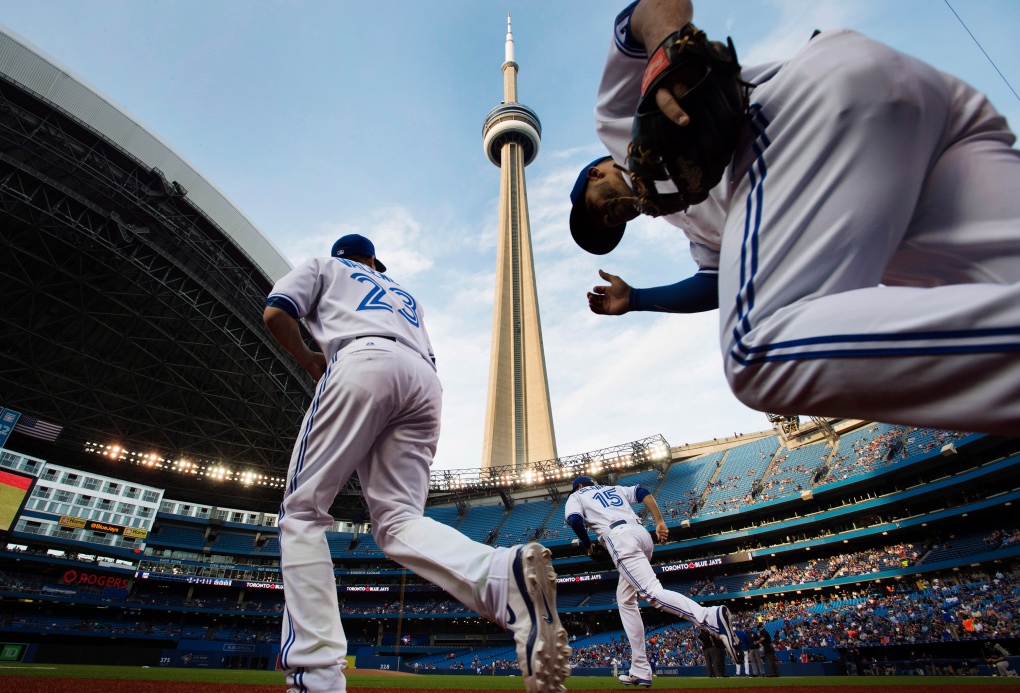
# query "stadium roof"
(132, 289)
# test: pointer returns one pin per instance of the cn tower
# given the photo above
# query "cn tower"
(518, 415)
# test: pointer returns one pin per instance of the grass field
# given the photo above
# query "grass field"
(57, 678)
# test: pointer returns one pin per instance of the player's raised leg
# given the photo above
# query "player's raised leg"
(514, 588)
(894, 171)
(631, 548)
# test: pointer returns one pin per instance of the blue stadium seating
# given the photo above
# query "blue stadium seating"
(229, 542)
(522, 522)
(557, 530)
(793, 471)
(183, 536)
(481, 519)
(861, 451)
(921, 440)
(683, 484)
(338, 543)
(744, 465)
(447, 515)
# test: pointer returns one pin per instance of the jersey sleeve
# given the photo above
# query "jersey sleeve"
(620, 88)
(297, 292)
(573, 507)
(692, 295)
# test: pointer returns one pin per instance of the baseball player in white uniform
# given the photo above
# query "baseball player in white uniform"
(607, 511)
(866, 236)
(376, 412)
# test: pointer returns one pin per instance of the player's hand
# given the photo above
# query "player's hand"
(610, 300)
(315, 365)
(597, 552)
(667, 103)
(662, 532)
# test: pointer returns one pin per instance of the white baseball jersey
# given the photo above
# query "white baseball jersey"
(376, 411)
(342, 299)
(601, 506)
(607, 510)
(867, 237)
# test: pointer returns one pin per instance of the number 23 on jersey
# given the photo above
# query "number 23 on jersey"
(375, 299)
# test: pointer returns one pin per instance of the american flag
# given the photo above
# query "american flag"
(36, 428)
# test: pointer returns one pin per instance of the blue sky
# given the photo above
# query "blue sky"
(323, 118)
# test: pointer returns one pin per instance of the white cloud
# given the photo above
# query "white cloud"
(396, 234)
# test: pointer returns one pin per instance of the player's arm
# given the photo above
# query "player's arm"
(695, 294)
(661, 531)
(576, 523)
(651, 22)
(287, 332)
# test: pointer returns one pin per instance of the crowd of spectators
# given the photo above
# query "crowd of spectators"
(981, 606)
(866, 455)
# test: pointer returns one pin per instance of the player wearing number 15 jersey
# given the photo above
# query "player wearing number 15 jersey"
(376, 412)
(607, 510)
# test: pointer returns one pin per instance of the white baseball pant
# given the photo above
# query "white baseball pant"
(870, 262)
(375, 411)
(631, 547)
(755, 665)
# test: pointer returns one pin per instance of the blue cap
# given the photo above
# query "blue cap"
(590, 233)
(583, 480)
(356, 244)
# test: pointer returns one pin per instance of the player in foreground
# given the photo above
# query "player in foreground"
(860, 208)
(607, 511)
(376, 412)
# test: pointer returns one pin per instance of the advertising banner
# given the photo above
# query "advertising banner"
(741, 557)
(11, 651)
(87, 577)
(96, 526)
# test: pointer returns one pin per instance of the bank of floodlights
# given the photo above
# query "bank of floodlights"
(211, 470)
(640, 453)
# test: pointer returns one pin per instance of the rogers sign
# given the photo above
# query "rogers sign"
(73, 577)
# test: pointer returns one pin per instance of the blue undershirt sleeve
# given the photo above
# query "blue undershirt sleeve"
(577, 524)
(641, 493)
(695, 294)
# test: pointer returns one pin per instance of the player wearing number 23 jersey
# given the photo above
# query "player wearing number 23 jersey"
(607, 510)
(341, 299)
(376, 411)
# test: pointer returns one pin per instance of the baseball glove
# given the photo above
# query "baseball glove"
(597, 552)
(704, 77)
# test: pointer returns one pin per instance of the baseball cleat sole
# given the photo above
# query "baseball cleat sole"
(543, 651)
(726, 633)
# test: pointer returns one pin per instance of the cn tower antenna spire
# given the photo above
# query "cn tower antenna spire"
(509, 41)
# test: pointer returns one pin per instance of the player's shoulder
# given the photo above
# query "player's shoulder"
(359, 270)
